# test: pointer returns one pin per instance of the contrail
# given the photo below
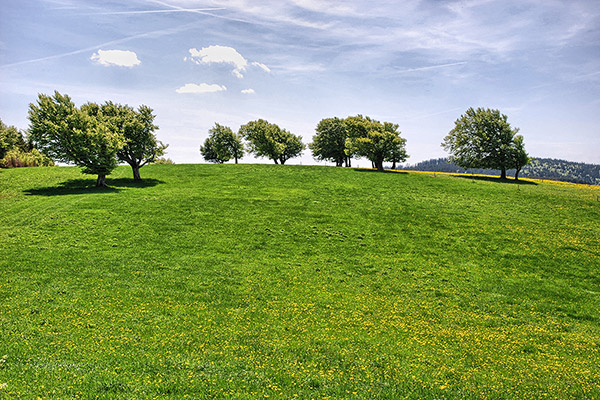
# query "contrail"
(431, 67)
(174, 10)
(160, 32)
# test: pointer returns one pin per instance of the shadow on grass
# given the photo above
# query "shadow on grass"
(386, 171)
(88, 186)
(497, 180)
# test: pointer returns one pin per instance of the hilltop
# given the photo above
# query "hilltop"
(539, 168)
(270, 281)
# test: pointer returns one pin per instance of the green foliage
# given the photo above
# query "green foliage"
(376, 141)
(19, 158)
(10, 138)
(269, 140)
(137, 130)
(483, 138)
(222, 145)
(306, 282)
(329, 144)
(82, 136)
(163, 161)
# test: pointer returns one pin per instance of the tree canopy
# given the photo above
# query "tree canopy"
(222, 145)
(10, 138)
(137, 130)
(269, 140)
(66, 133)
(329, 144)
(483, 138)
(374, 140)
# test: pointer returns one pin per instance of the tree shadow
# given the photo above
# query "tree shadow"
(88, 186)
(496, 180)
(385, 171)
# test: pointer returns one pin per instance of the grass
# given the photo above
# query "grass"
(282, 282)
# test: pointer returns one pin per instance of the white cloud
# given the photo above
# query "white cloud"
(248, 91)
(262, 66)
(201, 88)
(225, 55)
(120, 58)
(220, 54)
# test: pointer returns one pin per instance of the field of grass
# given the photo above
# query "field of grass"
(283, 282)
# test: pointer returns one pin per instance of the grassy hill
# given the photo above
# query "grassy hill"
(280, 282)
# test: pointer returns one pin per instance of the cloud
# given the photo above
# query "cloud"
(248, 91)
(201, 88)
(223, 55)
(220, 54)
(120, 58)
(262, 66)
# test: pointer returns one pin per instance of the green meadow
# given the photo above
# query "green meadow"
(283, 282)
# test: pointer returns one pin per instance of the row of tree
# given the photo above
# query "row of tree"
(481, 138)
(337, 140)
(94, 137)
(98, 137)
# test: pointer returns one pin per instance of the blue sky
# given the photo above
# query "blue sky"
(419, 64)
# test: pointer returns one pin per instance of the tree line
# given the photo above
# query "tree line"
(96, 137)
(481, 138)
(539, 168)
(336, 140)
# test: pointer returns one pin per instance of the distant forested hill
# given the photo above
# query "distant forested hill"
(540, 168)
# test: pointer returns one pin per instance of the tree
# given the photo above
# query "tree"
(376, 141)
(519, 156)
(222, 145)
(137, 130)
(329, 144)
(10, 138)
(66, 133)
(483, 138)
(269, 140)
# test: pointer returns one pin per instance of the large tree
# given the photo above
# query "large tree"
(137, 129)
(69, 134)
(376, 141)
(483, 138)
(222, 145)
(329, 144)
(269, 140)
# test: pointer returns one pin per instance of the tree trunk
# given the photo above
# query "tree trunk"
(281, 161)
(136, 172)
(394, 165)
(101, 181)
(379, 165)
(276, 162)
(236, 160)
(517, 174)
(503, 173)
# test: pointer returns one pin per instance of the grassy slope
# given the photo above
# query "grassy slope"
(251, 281)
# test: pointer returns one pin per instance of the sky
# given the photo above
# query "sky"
(417, 63)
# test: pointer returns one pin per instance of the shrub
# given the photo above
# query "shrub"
(19, 158)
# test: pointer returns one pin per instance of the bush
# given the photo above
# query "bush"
(162, 160)
(19, 158)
